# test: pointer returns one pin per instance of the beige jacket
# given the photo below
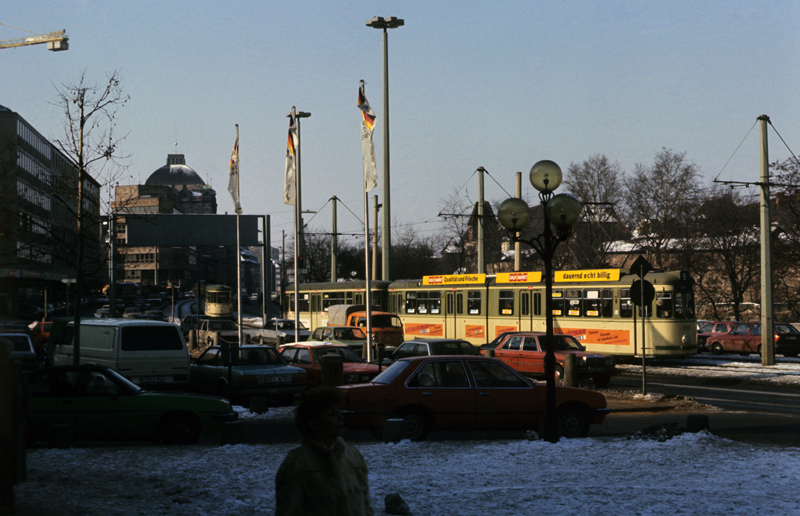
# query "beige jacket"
(317, 481)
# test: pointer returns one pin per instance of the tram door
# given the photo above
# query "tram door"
(450, 315)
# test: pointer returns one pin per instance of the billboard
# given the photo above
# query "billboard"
(192, 230)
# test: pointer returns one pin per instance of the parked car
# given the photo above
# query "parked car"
(286, 330)
(746, 339)
(100, 404)
(308, 356)
(426, 347)
(131, 312)
(709, 328)
(525, 352)
(190, 322)
(254, 370)
(154, 315)
(464, 393)
(23, 350)
(41, 332)
(352, 336)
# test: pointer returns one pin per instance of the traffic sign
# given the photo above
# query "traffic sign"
(641, 266)
(642, 287)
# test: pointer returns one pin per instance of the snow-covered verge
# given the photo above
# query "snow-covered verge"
(688, 474)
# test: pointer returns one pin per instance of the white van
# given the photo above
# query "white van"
(152, 354)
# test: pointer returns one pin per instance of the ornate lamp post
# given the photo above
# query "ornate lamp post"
(562, 211)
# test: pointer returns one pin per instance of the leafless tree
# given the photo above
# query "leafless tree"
(660, 200)
(91, 144)
(598, 184)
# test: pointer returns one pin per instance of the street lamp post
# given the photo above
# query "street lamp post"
(561, 211)
(386, 23)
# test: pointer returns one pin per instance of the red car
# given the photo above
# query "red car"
(463, 392)
(309, 357)
(709, 328)
(746, 339)
(525, 352)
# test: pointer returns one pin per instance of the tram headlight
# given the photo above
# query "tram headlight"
(686, 340)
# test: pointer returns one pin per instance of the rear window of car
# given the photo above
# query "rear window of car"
(151, 338)
(20, 342)
(786, 329)
(392, 372)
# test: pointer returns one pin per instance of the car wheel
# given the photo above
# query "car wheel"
(416, 426)
(602, 380)
(573, 422)
(716, 349)
(179, 429)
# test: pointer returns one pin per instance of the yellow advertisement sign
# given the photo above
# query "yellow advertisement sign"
(588, 275)
(519, 277)
(454, 279)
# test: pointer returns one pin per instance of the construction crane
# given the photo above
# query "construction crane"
(55, 40)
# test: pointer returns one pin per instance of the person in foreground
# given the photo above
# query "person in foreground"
(324, 476)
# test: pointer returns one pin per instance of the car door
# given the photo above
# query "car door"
(531, 361)
(444, 390)
(509, 351)
(752, 340)
(504, 400)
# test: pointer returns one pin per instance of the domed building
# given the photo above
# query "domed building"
(172, 188)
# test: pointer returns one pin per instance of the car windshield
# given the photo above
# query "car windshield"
(786, 329)
(565, 343)
(349, 334)
(386, 321)
(19, 342)
(260, 355)
(346, 353)
(391, 372)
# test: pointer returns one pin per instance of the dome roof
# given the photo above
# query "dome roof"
(175, 172)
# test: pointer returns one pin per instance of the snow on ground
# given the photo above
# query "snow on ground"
(688, 474)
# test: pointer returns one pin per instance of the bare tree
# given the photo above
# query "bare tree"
(597, 183)
(660, 201)
(90, 144)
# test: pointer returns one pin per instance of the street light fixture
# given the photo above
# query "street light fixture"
(562, 211)
(386, 23)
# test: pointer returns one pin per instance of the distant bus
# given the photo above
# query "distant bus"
(218, 301)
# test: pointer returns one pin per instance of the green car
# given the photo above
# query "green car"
(354, 336)
(101, 405)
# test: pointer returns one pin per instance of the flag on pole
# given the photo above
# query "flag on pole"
(289, 192)
(367, 146)
(233, 181)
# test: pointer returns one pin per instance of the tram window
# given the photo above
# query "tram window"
(411, 302)
(460, 303)
(448, 304)
(525, 303)
(664, 305)
(357, 299)
(573, 302)
(625, 303)
(608, 303)
(506, 302)
(435, 302)
(422, 302)
(591, 303)
(474, 302)
(304, 303)
(684, 305)
(315, 304)
(537, 303)
(558, 302)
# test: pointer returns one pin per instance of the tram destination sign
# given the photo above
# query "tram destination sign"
(588, 275)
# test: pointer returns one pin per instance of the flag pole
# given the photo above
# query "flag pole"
(370, 182)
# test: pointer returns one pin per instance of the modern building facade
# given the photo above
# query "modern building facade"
(38, 222)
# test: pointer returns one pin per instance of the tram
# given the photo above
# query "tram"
(315, 298)
(218, 301)
(595, 306)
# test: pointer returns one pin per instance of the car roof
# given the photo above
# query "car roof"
(434, 341)
(315, 344)
(116, 321)
(454, 357)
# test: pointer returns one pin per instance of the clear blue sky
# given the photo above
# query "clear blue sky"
(495, 84)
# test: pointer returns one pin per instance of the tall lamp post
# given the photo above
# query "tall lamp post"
(562, 211)
(386, 23)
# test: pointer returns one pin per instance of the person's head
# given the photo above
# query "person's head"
(318, 415)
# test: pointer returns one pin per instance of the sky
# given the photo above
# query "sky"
(691, 473)
(499, 85)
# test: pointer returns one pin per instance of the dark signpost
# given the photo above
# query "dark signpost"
(642, 294)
